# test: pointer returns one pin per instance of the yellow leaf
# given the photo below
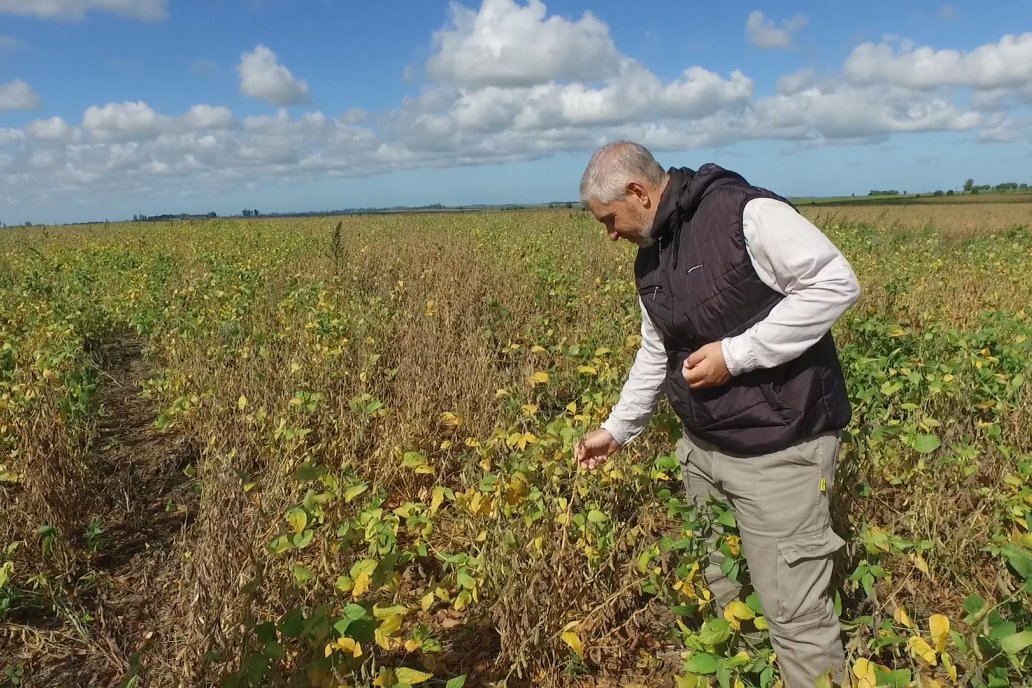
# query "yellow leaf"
(920, 563)
(539, 378)
(537, 349)
(242, 402)
(362, 584)
(863, 670)
(761, 623)
(347, 645)
(572, 407)
(900, 615)
(951, 669)
(450, 419)
(587, 370)
(939, 626)
(919, 647)
(530, 409)
(437, 499)
(387, 630)
(738, 611)
(411, 676)
(297, 518)
(427, 601)
(689, 681)
(385, 678)
(573, 640)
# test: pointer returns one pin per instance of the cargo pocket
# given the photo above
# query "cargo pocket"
(804, 573)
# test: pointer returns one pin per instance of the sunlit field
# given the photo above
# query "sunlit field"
(338, 452)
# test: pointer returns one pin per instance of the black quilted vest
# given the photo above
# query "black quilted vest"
(698, 286)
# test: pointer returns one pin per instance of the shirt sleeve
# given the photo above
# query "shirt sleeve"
(641, 392)
(796, 259)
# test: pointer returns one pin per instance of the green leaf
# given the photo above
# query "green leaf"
(1021, 564)
(1015, 643)
(714, 632)
(465, 580)
(973, 605)
(354, 491)
(307, 472)
(753, 600)
(701, 663)
(303, 574)
(457, 682)
(354, 612)
(727, 519)
(292, 624)
(926, 444)
(596, 516)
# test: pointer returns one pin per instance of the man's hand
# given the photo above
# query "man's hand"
(594, 448)
(706, 367)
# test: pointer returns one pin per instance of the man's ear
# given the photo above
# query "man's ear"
(637, 190)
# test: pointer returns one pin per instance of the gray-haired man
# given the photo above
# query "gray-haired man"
(738, 294)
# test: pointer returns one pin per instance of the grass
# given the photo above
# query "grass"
(338, 452)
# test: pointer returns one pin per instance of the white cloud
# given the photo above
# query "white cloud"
(1005, 64)
(850, 112)
(208, 117)
(52, 129)
(264, 78)
(763, 33)
(118, 121)
(505, 44)
(796, 82)
(18, 95)
(10, 43)
(76, 10)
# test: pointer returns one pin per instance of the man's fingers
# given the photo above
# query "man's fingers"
(695, 358)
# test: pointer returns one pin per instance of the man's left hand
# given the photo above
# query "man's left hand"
(706, 367)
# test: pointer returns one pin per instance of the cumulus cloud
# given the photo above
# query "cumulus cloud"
(18, 95)
(763, 33)
(264, 78)
(122, 121)
(505, 44)
(1005, 64)
(76, 10)
(52, 129)
(796, 81)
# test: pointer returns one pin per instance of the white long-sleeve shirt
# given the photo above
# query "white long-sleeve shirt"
(791, 256)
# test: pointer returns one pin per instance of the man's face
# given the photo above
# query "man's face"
(625, 218)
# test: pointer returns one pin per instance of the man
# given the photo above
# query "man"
(738, 294)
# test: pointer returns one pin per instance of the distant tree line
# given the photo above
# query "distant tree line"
(141, 217)
(972, 188)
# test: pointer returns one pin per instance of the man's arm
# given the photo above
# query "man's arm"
(641, 392)
(793, 257)
(638, 400)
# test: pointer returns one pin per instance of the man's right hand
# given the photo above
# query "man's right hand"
(594, 448)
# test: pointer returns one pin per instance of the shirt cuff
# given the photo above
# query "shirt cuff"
(621, 431)
(738, 355)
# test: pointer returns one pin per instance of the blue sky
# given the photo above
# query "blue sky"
(114, 107)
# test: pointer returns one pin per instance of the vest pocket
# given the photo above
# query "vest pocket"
(735, 407)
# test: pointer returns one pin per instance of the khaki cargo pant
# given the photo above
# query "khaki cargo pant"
(781, 503)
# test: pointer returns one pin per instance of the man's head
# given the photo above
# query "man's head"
(621, 187)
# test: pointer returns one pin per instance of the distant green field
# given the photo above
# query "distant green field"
(925, 198)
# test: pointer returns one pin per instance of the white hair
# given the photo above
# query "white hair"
(613, 166)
